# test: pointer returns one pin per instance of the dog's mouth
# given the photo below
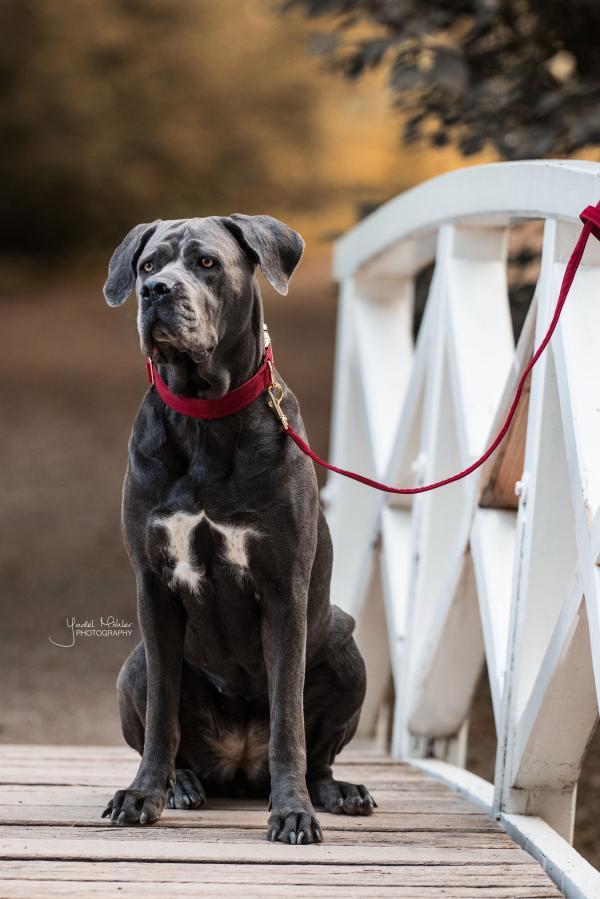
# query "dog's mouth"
(160, 339)
(157, 345)
(162, 345)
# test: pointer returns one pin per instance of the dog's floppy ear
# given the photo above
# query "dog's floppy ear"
(276, 247)
(121, 268)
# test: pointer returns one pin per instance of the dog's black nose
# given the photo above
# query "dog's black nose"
(155, 287)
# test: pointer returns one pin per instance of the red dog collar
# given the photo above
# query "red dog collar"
(232, 402)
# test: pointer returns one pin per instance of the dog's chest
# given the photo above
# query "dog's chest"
(192, 547)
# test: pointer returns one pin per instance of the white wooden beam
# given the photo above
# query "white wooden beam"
(395, 569)
(575, 878)
(479, 332)
(446, 682)
(353, 512)
(493, 538)
(372, 638)
(497, 192)
(556, 727)
(383, 340)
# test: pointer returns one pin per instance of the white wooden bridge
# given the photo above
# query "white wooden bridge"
(501, 567)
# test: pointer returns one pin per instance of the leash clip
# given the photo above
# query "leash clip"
(275, 391)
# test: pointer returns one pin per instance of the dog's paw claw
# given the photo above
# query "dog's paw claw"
(295, 828)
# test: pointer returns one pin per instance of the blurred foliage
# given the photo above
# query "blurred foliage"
(121, 111)
(118, 111)
(523, 75)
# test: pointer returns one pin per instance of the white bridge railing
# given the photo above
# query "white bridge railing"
(473, 572)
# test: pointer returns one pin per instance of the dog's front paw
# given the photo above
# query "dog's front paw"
(339, 797)
(187, 792)
(298, 825)
(136, 806)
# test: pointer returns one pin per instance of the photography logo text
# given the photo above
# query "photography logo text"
(108, 626)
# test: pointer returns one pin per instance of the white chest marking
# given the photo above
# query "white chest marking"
(179, 527)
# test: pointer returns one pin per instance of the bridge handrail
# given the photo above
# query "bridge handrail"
(501, 191)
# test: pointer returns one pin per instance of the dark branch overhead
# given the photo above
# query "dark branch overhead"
(520, 75)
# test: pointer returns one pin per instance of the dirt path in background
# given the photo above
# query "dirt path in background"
(73, 379)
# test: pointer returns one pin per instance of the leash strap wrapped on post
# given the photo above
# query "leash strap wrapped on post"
(591, 225)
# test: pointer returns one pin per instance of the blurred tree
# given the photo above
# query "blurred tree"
(522, 75)
(118, 111)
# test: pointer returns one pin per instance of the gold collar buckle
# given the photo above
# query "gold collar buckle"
(276, 391)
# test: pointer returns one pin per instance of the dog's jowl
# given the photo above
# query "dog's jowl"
(247, 681)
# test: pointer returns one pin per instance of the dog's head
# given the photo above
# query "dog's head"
(194, 278)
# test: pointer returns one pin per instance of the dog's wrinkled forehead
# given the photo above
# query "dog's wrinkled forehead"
(236, 240)
(204, 235)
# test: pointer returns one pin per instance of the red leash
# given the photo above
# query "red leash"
(591, 225)
(264, 379)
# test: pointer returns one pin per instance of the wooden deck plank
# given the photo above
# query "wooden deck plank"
(56, 796)
(22, 890)
(422, 841)
(108, 780)
(106, 777)
(148, 848)
(396, 821)
(249, 836)
(297, 874)
(72, 796)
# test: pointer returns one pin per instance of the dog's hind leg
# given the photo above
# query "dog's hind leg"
(131, 693)
(333, 697)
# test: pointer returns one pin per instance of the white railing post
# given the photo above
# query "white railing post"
(551, 707)
(374, 356)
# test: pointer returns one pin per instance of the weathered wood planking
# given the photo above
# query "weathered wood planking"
(423, 840)
(387, 821)
(21, 890)
(307, 873)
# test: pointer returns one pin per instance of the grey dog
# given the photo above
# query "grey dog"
(247, 681)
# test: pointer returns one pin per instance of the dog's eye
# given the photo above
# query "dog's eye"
(207, 262)
(148, 266)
